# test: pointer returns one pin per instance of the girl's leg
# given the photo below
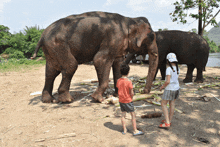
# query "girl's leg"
(172, 107)
(123, 121)
(133, 120)
(165, 110)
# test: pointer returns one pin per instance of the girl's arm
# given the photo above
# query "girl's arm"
(166, 82)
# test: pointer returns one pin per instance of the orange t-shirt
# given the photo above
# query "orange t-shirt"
(124, 86)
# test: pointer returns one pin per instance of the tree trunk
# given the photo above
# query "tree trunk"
(200, 29)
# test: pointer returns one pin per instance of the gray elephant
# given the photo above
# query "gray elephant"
(101, 37)
(190, 48)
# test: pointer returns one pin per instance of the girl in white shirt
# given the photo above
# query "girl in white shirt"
(171, 92)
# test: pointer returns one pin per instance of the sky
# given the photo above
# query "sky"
(17, 14)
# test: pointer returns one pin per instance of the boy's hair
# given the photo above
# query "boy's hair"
(124, 69)
(172, 66)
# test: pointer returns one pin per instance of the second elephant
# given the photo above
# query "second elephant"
(190, 48)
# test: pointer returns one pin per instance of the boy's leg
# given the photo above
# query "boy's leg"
(123, 121)
(172, 107)
(133, 120)
(165, 110)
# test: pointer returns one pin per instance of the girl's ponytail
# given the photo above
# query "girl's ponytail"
(172, 66)
(177, 68)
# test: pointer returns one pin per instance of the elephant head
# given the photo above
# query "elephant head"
(142, 40)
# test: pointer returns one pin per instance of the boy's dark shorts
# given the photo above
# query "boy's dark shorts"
(128, 107)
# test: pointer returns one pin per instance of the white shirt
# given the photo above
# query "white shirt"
(174, 83)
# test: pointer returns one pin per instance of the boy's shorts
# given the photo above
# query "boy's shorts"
(128, 107)
(170, 95)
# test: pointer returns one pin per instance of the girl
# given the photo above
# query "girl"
(171, 92)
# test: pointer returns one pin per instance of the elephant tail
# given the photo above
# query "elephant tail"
(39, 44)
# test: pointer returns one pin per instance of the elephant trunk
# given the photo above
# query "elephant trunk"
(153, 63)
(129, 57)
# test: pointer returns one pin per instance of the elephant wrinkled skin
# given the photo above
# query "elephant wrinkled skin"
(101, 37)
(190, 48)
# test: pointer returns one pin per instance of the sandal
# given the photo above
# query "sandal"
(164, 125)
(139, 133)
(163, 121)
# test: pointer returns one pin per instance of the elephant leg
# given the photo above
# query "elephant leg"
(51, 74)
(116, 72)
(156, 73)
(199, 76)
(189, 74)
(163, 71)
(69, 67)
(102, 65)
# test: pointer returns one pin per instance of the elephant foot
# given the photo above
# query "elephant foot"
(146, 91)
(198, 80)
(47, 98)
(187, 81)
(65, 97)
(97, 97)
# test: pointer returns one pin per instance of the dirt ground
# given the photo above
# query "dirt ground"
(26, 121)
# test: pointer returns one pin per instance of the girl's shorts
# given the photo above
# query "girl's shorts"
(128, 107)
(170, 95)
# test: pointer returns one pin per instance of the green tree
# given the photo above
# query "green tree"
(15, 43)
(32, 36)
(213, 47)
(204, 16)
(4, 37)
(23, 44)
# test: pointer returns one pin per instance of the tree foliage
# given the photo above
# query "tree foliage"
(205, 15)
(4, 37)
(213, 47)
(32, 36)
(22, 44)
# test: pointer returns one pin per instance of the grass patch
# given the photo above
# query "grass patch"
(19, 65)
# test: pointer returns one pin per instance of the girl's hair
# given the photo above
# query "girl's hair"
(172, 66)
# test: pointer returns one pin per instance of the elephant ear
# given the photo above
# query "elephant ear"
(140, 31)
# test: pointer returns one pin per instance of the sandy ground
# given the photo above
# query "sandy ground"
(26, 121)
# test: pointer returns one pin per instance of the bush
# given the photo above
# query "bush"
(213, 47)
(4, 37)
(9, 50)
(17, 55)
(24, 41)
(32, 36)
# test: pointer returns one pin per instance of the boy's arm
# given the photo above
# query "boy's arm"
(166, 82)
(132, 93)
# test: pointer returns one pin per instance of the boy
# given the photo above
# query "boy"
(125, 94)
(171, 92)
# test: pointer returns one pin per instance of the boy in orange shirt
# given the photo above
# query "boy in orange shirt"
(125, 94)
